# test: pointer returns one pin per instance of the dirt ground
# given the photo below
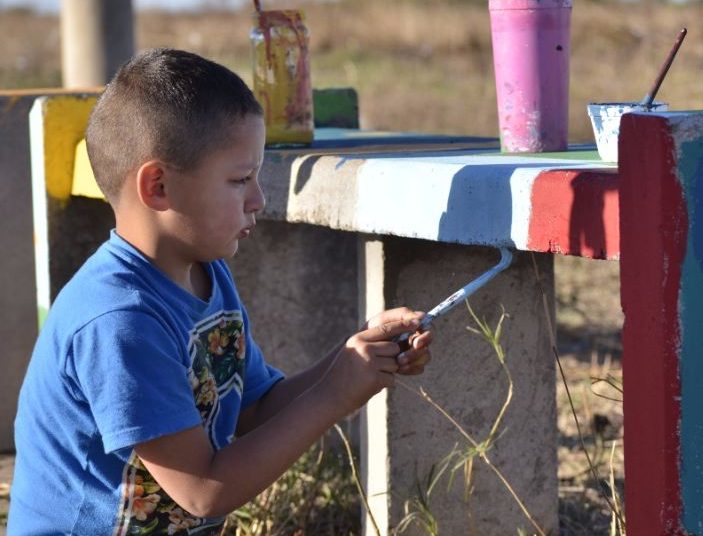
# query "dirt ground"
(589, 322)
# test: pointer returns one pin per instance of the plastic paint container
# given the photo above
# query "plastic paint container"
(531, 46)
(281, 68)
(605, 118)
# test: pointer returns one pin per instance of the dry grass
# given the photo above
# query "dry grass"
(31, 48)
(583, 511)
(589, 321)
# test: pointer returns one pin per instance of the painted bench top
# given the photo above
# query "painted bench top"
(445, 188)
(449, 189)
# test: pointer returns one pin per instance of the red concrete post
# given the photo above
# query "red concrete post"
(658, 269)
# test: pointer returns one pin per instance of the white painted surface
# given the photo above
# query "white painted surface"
(521, 182)
(469, 198)
(374, 415)
(39, 206)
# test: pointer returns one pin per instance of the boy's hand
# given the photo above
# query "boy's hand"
(365, 365)
(411, 360)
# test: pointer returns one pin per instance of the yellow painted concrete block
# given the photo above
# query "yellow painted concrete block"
(65, 118)
(83, 178)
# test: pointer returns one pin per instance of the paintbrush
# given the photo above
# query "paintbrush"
(460, 295)
(647, 101)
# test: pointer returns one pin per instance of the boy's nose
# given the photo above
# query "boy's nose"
(257, 200)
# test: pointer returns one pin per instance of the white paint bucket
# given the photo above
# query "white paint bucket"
(605, 118)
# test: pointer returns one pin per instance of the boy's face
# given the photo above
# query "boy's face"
(214, 205)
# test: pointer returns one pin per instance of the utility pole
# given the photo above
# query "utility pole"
(97, 36)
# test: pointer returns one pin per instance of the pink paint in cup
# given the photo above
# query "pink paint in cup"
(531, 45)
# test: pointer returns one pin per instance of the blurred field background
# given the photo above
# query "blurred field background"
(418, 65)
(426, 66)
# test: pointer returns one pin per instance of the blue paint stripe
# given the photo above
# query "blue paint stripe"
(342, 138)
(350, 138)
(691, 351)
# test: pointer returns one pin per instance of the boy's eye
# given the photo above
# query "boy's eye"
(242, 180)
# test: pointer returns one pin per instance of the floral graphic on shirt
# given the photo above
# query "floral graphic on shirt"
(147, 509)
(217, 350)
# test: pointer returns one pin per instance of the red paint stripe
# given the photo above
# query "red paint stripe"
(653, 230)
(575, 213)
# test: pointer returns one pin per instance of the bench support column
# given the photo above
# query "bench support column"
(403, 435)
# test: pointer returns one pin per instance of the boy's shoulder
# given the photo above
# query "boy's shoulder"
(107, 281)
(117, 278)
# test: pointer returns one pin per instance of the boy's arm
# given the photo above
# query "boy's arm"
(282, 393)
(208, 483)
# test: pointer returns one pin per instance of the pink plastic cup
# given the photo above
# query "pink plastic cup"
(531, 45)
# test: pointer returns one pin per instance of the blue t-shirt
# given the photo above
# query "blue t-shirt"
(126, 355)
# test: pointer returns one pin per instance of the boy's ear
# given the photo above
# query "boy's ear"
(151, 187)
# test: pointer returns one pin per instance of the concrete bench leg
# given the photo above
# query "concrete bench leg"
(18, 324)
(298, 283)
(18, 289)
(402, 435)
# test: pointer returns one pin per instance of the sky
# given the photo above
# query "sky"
(53, 5)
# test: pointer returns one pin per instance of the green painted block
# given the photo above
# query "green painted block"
(42, 313)
(336, 107)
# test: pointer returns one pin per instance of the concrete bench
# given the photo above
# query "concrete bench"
(362, 221)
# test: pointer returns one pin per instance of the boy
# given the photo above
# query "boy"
(145, 371)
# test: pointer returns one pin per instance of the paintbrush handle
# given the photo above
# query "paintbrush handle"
(460, 295)
(647, 102)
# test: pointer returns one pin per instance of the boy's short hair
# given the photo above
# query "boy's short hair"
(167, 104)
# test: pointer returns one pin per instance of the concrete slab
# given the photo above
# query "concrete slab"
(404, 436)
(461, 192)
(18, 310)
(299, 283)
(18, 307)
(57, 125)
